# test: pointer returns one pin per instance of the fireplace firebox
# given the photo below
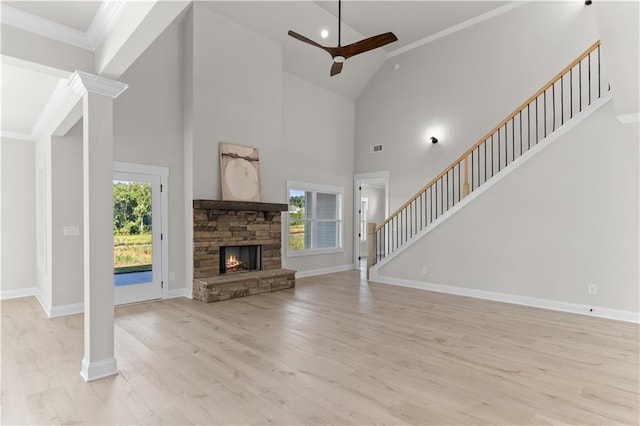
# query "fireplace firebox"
(235, 259)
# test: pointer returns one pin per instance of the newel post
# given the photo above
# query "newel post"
(371, 246)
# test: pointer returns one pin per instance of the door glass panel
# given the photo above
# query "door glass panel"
(132, 233)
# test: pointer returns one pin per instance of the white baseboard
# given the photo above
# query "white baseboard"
(98, 369)
(45, 306)
(19, 292)
(72, 308)
(180, 292)
(64, 310)
(58, 311)
(322, 271)
(554, 305)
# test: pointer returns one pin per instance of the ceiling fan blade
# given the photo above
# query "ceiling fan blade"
(305, 40)
(367, 44)
(341, 53)
(336, 68)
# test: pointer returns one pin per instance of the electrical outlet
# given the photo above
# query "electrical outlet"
(592, 289)
(424, 270)
(172, 276)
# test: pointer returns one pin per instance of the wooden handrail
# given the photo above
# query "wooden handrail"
(551, 82)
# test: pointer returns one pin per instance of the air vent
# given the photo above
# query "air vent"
(375, 148)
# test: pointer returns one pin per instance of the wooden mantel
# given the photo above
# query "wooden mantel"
(239, 205)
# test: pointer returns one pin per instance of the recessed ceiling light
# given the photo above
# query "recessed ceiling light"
(324, 33)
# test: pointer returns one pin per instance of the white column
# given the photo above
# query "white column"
(97, 102)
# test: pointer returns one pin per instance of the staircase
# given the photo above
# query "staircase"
(572, 90)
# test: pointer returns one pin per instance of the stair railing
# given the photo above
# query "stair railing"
(574, 88)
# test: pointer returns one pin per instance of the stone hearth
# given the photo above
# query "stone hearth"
(232, 223)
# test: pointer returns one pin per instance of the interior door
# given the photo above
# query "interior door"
(137, 226)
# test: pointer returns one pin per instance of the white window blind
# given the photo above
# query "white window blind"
(315, 218)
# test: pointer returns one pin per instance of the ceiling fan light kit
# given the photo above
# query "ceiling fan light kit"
(340, 53)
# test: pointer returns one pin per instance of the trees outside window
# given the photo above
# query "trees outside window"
(315, 218)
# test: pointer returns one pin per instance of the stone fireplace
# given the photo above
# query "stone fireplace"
(237, 249)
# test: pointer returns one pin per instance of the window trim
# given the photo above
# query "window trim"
(327, 189)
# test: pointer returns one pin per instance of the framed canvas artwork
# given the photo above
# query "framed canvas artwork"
(240, 172)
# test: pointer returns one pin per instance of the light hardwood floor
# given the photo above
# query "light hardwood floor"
(336, 350)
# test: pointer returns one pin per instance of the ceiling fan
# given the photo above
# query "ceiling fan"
(342, 53)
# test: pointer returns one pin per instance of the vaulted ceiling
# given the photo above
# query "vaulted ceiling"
(84, 24)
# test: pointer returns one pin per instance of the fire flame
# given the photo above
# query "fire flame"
(232, 263)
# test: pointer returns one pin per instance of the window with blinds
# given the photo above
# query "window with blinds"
(315, 218)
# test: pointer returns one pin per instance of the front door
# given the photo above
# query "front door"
(137, 225)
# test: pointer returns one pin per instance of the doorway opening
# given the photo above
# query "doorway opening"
(138, 238)
(372, 206)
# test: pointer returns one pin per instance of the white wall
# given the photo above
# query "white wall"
(566, 219)
(148, 128)
(318, 149)
(188, 93)
(458, 87)
(376, 200)
(17, 216)
(618, 23)
(37, 49)
(67, 210)
(237, 98)
(1, 218)
(303, 133)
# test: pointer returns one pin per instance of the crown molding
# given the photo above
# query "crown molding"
(81, 82)
(104, 20)
(106, 17)
(37, 25)
(459, 27)
(8, 134)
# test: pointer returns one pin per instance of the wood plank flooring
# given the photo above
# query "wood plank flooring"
(335, 350)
